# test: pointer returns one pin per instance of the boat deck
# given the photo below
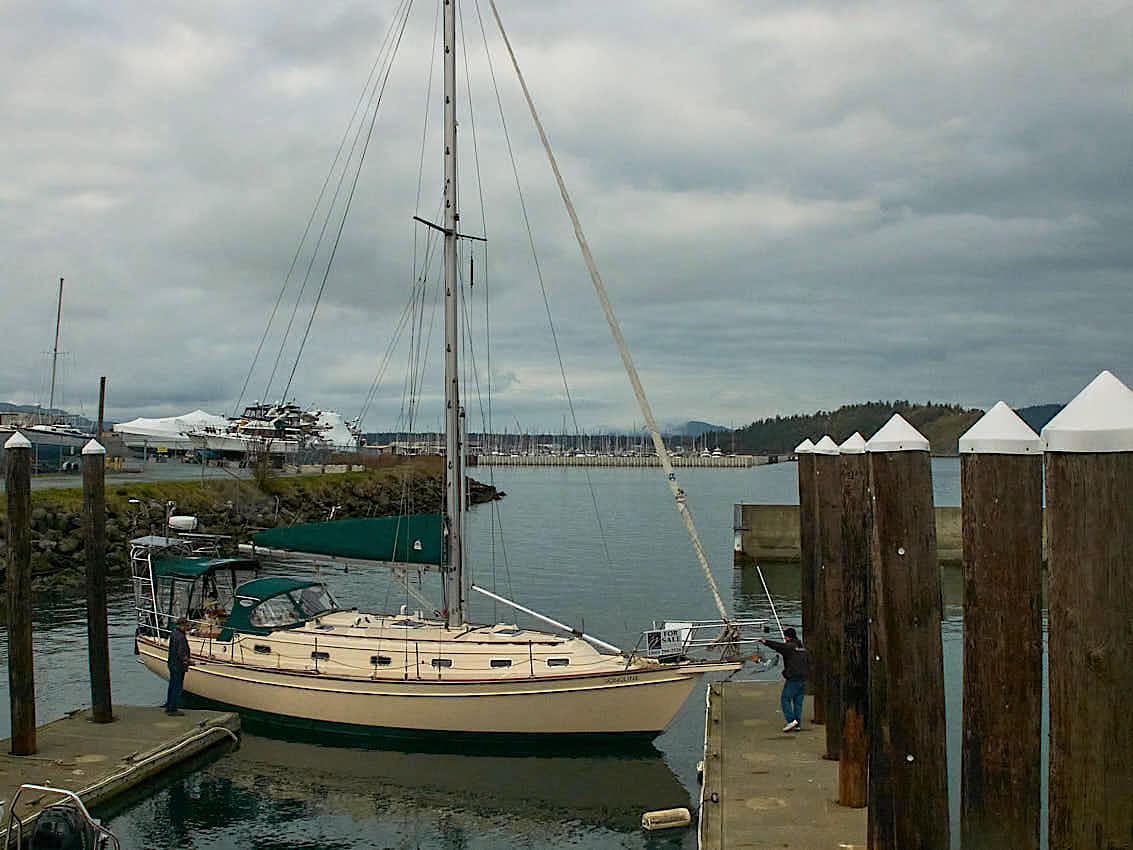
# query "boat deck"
(773, 789)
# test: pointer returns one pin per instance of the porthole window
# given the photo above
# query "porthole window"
(501, 662)
(441, 662)
(558, 662)
(320, 656)
(262, 649)
(381, 660)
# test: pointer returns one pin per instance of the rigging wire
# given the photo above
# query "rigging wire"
(615, 329)
(362, 96)
(542, 284)
(486, 420)
(410, 400)
(349, 202)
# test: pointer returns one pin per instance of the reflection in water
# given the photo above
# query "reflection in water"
(283, 794)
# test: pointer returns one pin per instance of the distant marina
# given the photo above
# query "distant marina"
(634, 460)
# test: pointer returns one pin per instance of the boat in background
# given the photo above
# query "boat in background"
(56, 444)
(278, 429)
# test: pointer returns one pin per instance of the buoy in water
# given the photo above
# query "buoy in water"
(666, 819)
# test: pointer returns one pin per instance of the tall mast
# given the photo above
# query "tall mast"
(55, 351)
(454, 451)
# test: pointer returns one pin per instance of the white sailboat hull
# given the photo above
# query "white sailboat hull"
(637, 702)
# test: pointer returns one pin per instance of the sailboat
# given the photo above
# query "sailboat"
(284, 649)
(56, 443)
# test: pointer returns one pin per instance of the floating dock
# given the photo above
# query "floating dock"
(765, 788)
(98, 761)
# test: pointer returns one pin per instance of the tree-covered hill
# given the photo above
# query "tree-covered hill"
(942, 424)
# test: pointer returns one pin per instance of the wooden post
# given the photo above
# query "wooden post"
(808, 569)
(1001, 480)
(1089, 508)
(101, 407)
(21, 670)
(94, 545)
(828, 487)
(908, 716)
(857, 519)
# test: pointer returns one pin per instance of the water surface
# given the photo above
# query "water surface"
(615, 579)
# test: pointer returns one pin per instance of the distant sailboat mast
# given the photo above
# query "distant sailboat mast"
(55, 351)
(454, 451)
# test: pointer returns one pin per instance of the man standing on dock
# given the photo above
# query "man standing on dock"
(794, 671)
(178, 663)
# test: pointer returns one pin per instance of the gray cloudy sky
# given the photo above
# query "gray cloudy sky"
(794, 205)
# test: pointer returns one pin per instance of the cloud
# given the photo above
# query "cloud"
(792, 205)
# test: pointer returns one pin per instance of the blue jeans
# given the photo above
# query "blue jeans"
(176, 680)
(792, 700)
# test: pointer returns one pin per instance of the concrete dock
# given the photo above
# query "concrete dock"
(98, 761)
(765, 788)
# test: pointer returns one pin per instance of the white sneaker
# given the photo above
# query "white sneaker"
(794, 724)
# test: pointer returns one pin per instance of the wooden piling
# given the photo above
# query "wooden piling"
(21, 670)
(94, 546)
(1089, 509)
(101, 406)
(808, 569)
(1001, 484)
(857, 518)
(908, 731)
(828, 489)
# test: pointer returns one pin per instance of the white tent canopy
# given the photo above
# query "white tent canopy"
(169, 432)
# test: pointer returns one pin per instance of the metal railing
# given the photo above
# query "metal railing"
(675, 640)
(104, 837)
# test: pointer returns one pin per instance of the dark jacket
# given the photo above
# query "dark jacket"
(178, 650)
(795, 658)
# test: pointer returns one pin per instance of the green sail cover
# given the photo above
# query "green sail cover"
(412, 539)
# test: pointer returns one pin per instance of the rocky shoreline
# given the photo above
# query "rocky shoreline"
(233, 508)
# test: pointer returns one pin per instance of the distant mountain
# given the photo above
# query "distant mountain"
(8, 407)
(942, 424)
(49, 415)
(1038, 415)
(692, 428)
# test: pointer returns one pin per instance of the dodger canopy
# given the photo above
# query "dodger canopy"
(265, 604)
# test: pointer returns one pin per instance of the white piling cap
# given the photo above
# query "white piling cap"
(1000, 431)
(1099, 419)
(826, 446)
(806, 447)
(897, 435)
(18, 441)
(854, 445)
(94, 447)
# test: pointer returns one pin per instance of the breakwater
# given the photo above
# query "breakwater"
(694, 461)
(771, 533)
